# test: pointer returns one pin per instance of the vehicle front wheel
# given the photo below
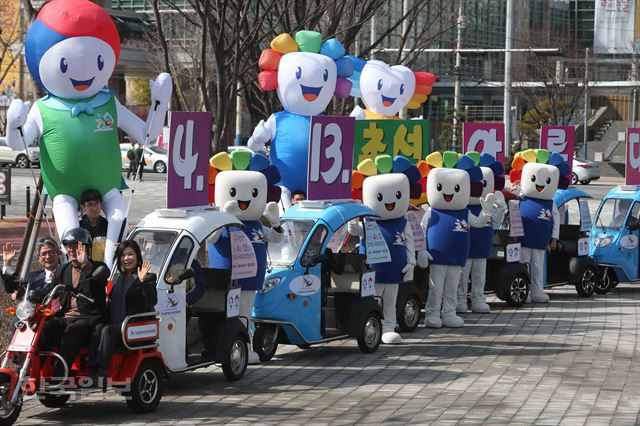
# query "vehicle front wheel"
(371, 333)
(50, 400)
(236, 358)
(264, 341)
(146, 388)
(409, 317)
(518, 290)
(22, 161)
(160, 167)
(8, 412)
(604, 283)
(587, 281)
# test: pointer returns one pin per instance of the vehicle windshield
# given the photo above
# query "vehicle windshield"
(286, 252)
(154, 245)
(612, 213)
(158, 150)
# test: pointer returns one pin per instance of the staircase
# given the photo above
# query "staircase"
(612, 149)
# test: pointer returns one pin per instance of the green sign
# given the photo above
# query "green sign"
(408, 138)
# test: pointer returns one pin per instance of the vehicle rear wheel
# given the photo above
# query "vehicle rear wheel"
(604, 283)
(50, 400)
(236, 358)
(518, 290)
(587, 281)
(160, 167)
(264, 341)
(585, 182)
(574, 179)
(22, 161)
(409, 317)
(8, 412)
(146, 388)
(371, 333)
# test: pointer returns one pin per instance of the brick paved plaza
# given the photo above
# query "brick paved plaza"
(576, 361)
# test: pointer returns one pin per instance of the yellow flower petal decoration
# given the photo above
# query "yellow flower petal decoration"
(434, 159)
(529, 156)
(221, 161)
(284, 43)
(367, 167)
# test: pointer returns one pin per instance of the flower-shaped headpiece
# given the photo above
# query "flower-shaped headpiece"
(385, 164)
(466, 162)
(540, 156)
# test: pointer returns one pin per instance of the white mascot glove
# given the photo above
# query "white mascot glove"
(423, 259)
(17, 114)
(500, 203)
(272, 214)
(161, 88)
(407, 272)
(261, 135)
(487, 203)
(231, 207)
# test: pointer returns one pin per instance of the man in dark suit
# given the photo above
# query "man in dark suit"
(81, 306)
(48, 254)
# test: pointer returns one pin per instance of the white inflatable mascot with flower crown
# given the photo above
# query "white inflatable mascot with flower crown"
(71, 50)
(539, 175)
(306, 72)
(447, 223)
(387, 187)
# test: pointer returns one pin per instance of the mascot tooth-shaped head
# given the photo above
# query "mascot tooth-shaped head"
(245, 178)
(492, 174)
(539, 173)
(72, 48)
(452, 180)
(386, 185)
(385, 89)
(306, 72)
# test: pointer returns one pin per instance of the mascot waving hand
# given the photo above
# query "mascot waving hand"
(71, 50)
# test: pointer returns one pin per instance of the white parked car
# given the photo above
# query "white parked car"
(584, 171)
(19, 159)
(155, 158)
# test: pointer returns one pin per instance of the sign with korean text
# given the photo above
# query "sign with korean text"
(409, 138)
(188, 152)
(512, 252)
(368, 284)
(233, 302)
(585, 216)
(5, 185)
(484, 138)
(243, 257)
(376, 247)
(516, 229)
(414, 217)
(330, 158)
(583, 246)
(632, 169)
(559, 139)
(614, 26)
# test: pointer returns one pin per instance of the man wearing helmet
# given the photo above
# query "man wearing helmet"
(81, 306)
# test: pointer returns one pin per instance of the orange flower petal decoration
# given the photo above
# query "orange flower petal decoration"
(424, 168)
(356, 179)
(518, 163)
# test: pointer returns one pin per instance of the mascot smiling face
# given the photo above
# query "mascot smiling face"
(386, 90)
(387, 195)
(539, 181)
(245, 187)
(448, 189)
(306, 82)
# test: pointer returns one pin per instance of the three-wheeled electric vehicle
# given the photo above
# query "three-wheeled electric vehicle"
(316, 288)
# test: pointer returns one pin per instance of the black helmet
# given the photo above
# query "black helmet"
(76, 235)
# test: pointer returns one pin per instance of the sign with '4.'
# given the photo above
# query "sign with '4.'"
(330, 157)
(632, 171)
(559, 139)
(484, 138)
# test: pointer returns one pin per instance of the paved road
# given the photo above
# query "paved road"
(572, 362)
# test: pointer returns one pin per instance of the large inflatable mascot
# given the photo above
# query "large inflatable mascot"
(71, 50)
(446, 223)
(539, 175)
(306, 73)
(386, 90)
(244, 186)
(387, 187)
(481, 244)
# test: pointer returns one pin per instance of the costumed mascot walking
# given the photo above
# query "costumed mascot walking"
(71, 50)
(244, 186)
(481, 243)
(539, 175)
(446, 224)
(387, 187)
(306, 72)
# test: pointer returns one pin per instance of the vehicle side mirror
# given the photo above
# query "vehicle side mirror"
(633, 224)
(179, 276)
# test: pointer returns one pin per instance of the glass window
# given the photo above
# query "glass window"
(158, 150)
(283, 254)
(155, 245)
(180, 258)
(612, 213)
(314, 246)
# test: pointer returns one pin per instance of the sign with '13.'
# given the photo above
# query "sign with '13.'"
(330, 158)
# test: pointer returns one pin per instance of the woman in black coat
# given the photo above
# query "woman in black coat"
(133, 292)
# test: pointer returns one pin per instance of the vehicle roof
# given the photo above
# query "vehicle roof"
(563, 196)
(200, 221)
(624, 191)
(334, 213)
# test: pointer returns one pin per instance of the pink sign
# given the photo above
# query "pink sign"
(243, 257)
(188, 152)
(559, 139)
(484, 138)
(330, 158)
(632, 169)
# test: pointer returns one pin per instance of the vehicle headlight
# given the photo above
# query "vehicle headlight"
(25, 310)
(604, 241)
(270, 284)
